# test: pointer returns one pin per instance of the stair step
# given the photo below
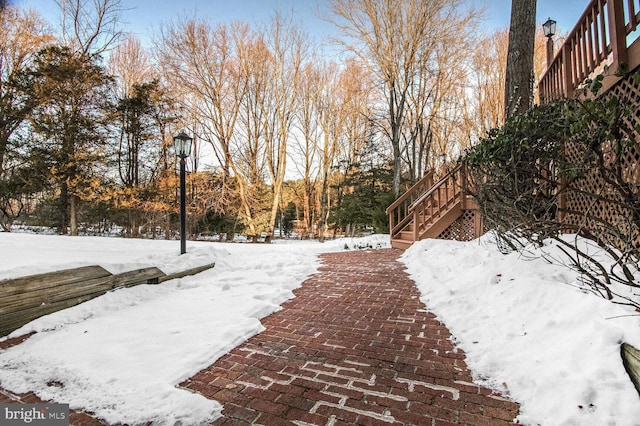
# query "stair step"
(430, 220)
(401, 244)
(405, 235)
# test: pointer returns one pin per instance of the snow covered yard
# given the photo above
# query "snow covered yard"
(526, 330)
(121, 355)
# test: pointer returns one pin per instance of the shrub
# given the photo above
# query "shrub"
(567, 167)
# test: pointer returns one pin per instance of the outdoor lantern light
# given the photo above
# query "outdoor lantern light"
(182, 142)
(549, 28)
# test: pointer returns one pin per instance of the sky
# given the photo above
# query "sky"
(527, 329)
(145, 17)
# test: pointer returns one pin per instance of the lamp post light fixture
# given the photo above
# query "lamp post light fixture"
(182, 143)
(549, 28)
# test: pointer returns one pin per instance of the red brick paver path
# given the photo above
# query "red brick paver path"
(355, 346)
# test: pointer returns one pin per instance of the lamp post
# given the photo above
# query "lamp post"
(182, 143)
(549, 28)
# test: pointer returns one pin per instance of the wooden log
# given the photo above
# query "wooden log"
(27, 298)
(188, 272)
(50, 279)
(139, 276)
(631, 362)
(18, 311)
(45, 296)
(12, 321)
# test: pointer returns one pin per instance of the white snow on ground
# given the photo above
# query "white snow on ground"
(121, 355)
(529, 332)
(526, 330)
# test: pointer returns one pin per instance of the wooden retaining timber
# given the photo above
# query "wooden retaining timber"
(26, 298)
(631, 362)
(185, 273)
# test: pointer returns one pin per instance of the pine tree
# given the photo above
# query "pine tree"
(366, 195)
(71, 122)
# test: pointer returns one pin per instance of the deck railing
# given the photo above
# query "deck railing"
(398, 212)
(600, 37)
(442, 197)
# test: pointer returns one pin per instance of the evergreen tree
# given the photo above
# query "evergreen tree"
(137, 127)
(71, 122)
(288, 216)
(366, 195)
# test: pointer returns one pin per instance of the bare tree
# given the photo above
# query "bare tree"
(305, 146)
(484, 108)
(248, 144)
(90, 27)
(290, 47)
(201, 64)
(130, 64)
(22, 34)
(328, 104)
(394, 38)
(519, 79)
(436, 99)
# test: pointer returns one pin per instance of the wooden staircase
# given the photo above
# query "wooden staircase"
(443, 209)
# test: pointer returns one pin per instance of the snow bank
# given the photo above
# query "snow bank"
(121, 355)
(530, 333)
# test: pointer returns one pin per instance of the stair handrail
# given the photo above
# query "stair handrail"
(410, 191)
(398, 211)
(432, 204)
(438, 184)
(600, 36)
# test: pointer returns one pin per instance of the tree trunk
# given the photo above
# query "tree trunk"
(324, 201)
(519, 76)
(397, 168)
(63, 205)
(73, 215)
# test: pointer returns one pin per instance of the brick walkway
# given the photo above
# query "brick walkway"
(355, 346)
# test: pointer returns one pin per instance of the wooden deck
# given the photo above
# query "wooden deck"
(605, 36)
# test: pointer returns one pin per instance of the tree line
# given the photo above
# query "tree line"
(281, 132)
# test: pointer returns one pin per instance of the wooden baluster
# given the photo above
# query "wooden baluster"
(418, 218)
(592, 49)
(392, 220)
(567, 70)
(598, 20)
(633, 19)
(578, 56)
(617, 34)
(463, 184)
